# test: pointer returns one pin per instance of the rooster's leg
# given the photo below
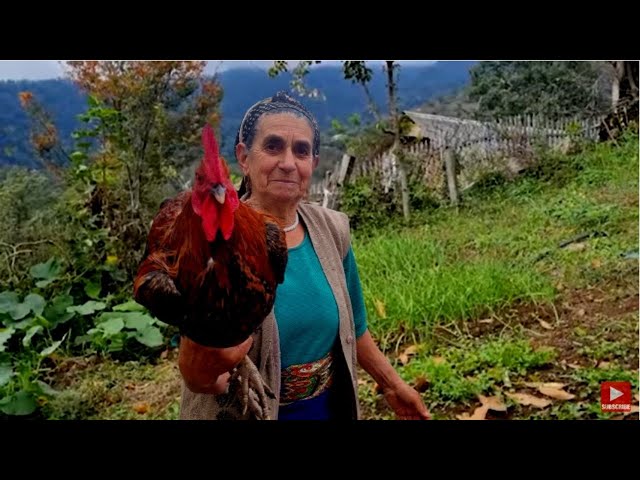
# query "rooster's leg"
(253, 388)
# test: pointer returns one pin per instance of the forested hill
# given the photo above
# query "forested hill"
(242, 88)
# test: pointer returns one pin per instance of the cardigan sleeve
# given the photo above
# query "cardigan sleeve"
(355, 292)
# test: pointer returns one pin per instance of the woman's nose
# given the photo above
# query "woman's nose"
(287, 161)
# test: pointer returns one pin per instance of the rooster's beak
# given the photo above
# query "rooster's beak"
(219, 192)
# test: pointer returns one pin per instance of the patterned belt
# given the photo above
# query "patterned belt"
(306, 380)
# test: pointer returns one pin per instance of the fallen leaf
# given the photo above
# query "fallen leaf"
(526, 399)
(141, 407)
(604, 365)
(421, 384)
(408, 352)
(486, 320)
(437, 360)
(164, 354)
(493, 403)
(596, 263)
(546, 325)
(478, 414)
(556, 393)
(637, 397)
(581, 312)
(380, 308)
(575, 366)
(545, 384)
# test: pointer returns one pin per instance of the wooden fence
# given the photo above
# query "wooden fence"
(509, 145)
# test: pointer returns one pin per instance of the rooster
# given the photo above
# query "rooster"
(212, 266)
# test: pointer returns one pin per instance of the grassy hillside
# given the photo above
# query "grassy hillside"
(486, 301)
(516, 306)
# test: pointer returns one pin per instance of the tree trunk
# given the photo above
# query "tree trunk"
(618, 73)
(395, 124)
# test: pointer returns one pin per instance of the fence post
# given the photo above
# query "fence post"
(450, 167)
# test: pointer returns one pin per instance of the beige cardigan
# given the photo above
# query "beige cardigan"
(330, 235)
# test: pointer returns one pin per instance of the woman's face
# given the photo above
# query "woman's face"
(281, 161)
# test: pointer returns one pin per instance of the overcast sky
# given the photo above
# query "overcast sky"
(43, 69)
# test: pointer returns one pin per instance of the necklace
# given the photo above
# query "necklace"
(293, 225)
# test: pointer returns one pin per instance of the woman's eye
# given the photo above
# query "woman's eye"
(272, 147)
(302, 151)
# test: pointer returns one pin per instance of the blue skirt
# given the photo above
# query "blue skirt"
(317, 408)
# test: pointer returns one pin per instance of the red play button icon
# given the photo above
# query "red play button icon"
(615, 396)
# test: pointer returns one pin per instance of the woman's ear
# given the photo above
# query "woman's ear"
(241, 155)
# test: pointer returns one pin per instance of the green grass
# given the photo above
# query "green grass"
(420, 285)
(502, 246)
(475, 366)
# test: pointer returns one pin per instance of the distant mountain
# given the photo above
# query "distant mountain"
(242, 88)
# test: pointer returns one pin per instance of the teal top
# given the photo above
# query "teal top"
(306, 310)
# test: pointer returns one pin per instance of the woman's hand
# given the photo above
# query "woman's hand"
(406, 402)
(205, 369)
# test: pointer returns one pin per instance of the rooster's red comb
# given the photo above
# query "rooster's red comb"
(211, 153)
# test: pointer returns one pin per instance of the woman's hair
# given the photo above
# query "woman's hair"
(279, 103)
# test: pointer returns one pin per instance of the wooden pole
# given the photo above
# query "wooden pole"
(450, 167)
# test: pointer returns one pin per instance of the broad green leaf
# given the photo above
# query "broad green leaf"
(56, 311)
(46, 271)
(92, 289)
(111, 327)
(8, 301)
(24, 324)
(88, 307)
(44, 283)
(21, 403)
(151, 337)
(130, 306)
(138, 321)
(6, 372)
(134, 320)
(26, 341)
(20, 311)
(36, 303)
(5, 334)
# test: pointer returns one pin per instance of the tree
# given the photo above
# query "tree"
(147, 118)
(624, 99)
(624, 83)
(160, 109)
(553, 89)
(44, 135)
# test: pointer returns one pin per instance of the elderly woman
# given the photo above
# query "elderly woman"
(308, 348)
